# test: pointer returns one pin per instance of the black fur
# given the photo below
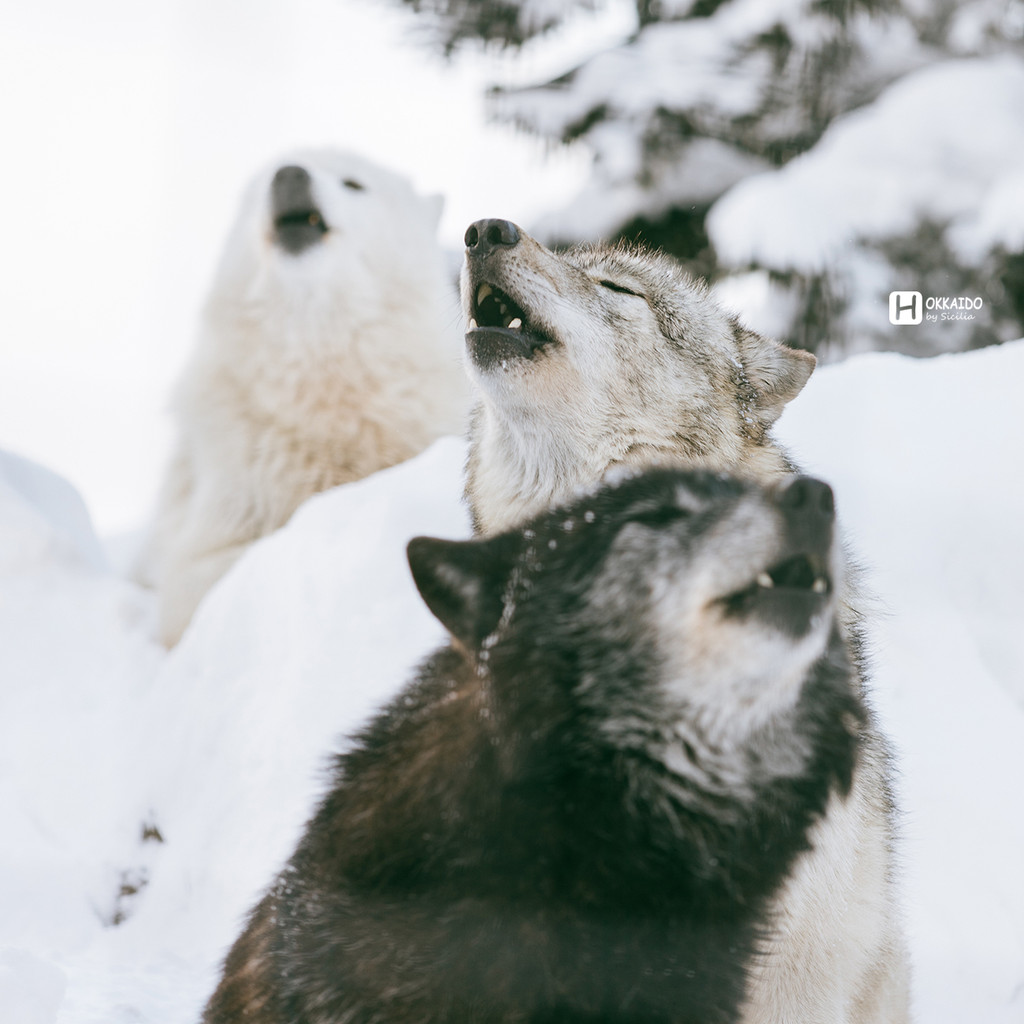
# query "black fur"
(488, 854)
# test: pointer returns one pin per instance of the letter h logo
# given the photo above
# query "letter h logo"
(905, 308)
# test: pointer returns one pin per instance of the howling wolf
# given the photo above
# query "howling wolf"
(602, 356)
(327, 352)
(638, 786)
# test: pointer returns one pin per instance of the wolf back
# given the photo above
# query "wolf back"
(585, 805)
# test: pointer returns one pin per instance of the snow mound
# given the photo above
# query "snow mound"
(41, 514)
(317, 627)
(73, 662)
(922, 456)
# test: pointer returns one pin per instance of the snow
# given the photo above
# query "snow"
(703, 64)
(942, 144)
(697, 175)
(692, 65)
(923, 456)
(221, 745)
(701, 103)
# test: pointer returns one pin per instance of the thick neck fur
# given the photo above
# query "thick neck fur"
(515, 473)
(521, 464)
(294, 359)
(487, 838)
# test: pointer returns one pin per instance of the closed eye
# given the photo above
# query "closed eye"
(356, 186)
(661, 515)
(614, 286)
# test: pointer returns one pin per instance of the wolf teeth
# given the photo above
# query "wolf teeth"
(764, 580)
(482, 292)
(515, 325)
(473, 325)
(820, 585)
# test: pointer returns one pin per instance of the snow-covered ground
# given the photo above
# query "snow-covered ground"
(220, 746)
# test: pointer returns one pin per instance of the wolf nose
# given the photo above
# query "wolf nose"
(290, 187)
(483, 236)
(809, 497)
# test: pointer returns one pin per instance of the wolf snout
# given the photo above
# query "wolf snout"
(484, 236)
(291, 189)
(298, 222)
(808, 512)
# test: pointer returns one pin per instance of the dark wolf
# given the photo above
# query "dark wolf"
(603, 800)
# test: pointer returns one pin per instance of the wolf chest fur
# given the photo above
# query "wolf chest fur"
(586, 806)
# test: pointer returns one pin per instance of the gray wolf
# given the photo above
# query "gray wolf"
(327, 352)
(606, 799)
(602, 356)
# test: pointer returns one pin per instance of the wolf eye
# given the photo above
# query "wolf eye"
(356, 186)
(662, 515)
(615, 287)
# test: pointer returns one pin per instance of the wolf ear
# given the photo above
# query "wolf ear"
(463, 582)
(777, 373)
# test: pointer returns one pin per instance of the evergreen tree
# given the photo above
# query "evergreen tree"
(707, 93)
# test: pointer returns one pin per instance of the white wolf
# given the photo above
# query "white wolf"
(328, 350)
(612, 356)
(601, 356)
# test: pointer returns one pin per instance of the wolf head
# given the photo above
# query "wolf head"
(673, 615)
(326, 242)
(601, 356)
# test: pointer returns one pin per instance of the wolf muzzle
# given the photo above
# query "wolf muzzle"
(298, 222)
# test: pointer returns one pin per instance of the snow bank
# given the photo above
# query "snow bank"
(221, 745)
(924, 458)
(74, 665)
(317, 626)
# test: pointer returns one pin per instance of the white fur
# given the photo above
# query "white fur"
(311, 370)
(837, 955)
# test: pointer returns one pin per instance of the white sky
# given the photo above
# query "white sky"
(128, 130)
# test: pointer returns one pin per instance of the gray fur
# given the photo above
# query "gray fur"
(664, 375)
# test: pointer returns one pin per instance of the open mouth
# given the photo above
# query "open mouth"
(298, 229)
(788, 593)
(500, 329)
(802, 572)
